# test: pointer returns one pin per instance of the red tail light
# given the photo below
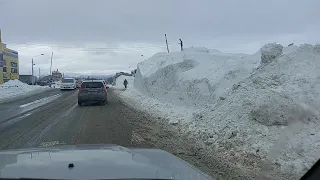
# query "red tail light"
(80, 89)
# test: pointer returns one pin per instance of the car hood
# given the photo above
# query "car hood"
(95, 162)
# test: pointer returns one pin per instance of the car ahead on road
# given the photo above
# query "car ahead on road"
(68, 83)
(79, 83)
(95, 162)
(93, 91)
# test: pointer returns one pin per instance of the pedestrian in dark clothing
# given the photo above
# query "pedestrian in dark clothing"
(125, 83)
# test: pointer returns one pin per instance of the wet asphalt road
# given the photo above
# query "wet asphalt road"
(54, 118)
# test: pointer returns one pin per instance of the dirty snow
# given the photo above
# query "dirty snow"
(273, 113)
(16, 88)
(264, 105)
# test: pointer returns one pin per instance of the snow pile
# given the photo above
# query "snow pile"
(120, 80)
(194, 77)
(263, 105)
(16, 88)
(273, 113)
(197, 76)
(191, 78)
(290, 49)
(269, 52)
(198, 49)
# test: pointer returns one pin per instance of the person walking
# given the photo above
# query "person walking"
(125, 83)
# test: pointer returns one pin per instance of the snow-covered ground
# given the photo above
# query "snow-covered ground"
(15, 89)
(56, 84)
(263, 105)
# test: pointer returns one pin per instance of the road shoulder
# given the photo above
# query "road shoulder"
(157, 132)
(24, 96)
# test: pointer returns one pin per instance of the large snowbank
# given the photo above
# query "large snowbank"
(190, 78)
(195, 77)
(272, 113)
(264, 105)
(16, 88)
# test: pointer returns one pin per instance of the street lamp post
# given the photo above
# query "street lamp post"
(33, 63)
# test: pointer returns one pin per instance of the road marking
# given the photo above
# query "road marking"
(55, 121)
(20, 117)
(14, 120)
(78, 127)
(42, 101)
(67, 113)
(83, 114)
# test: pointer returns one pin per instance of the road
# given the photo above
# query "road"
(54, 118)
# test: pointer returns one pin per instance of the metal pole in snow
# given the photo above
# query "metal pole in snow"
(32, 66)
(51, 65)
(165, 35)
(181, 44)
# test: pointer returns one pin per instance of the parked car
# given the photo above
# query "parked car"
(68, 83)
(43, 83)
(93, 91)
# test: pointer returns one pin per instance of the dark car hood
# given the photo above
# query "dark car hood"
(95, 162)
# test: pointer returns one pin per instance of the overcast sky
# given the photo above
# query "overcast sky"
(107, 36)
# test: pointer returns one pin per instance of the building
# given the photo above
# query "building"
(57, 76)
(9, 63)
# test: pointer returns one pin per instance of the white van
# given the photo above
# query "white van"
(68, 83)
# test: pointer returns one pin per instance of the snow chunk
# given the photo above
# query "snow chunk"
(270, 51)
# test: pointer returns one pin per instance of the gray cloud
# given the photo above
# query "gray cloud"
(79, 31)
(145, 20)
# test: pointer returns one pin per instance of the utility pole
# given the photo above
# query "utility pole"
(165, 35)
(32, 66)
(51, 65)
(181, 44)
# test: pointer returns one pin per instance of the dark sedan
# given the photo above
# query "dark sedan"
(93, 91)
